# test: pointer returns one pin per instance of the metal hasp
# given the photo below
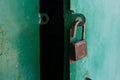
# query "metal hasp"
(78, 49)
(44, 18)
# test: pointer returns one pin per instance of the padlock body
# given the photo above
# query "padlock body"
(78, 50)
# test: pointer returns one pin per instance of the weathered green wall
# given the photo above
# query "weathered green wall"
(103, 40)
(19, 40)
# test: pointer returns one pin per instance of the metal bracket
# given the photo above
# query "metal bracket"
(43, 18)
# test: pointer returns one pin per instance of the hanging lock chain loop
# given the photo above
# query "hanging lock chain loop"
(77, 22)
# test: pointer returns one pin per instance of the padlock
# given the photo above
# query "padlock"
(78, 49)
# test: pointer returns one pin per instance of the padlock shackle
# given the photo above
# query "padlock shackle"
(83, 29)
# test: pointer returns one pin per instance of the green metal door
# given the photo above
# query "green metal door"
(19, 40)
(103, 40)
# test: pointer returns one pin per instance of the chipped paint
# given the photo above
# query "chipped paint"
(102, 27)
(19, 61)
(1, 40)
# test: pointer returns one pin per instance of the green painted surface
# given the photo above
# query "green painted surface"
(19, 40)
(103, 40)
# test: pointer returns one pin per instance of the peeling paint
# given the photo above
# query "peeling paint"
(17, 60)
(1, 40)
(19, 77)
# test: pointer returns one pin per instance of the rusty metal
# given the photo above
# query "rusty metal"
(78, 49)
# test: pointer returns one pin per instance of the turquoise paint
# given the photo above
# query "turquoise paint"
(19, 40)
(78, 36)
(103, 41)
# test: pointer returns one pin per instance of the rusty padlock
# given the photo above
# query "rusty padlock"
(78, 49)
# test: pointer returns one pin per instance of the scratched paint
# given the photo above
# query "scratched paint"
(102, 35)
(1, 38)
(19, 40)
